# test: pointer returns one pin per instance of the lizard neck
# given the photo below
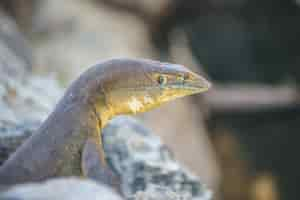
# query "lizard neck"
(55, 149)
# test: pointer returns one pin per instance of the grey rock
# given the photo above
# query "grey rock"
(25, 99)
(58, 189)
(24, 104)
(146, 166)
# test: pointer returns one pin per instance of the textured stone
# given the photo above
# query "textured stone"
(63, 188)
(145, 165)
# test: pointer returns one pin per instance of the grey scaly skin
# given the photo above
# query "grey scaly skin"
(113, 87)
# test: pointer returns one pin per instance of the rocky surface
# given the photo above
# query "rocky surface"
(24, 104)
(25, 99)
(146, 166)
(62, 188)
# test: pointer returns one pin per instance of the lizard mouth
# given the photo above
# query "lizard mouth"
(195, 84)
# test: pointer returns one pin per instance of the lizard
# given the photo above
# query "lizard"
(62, 144)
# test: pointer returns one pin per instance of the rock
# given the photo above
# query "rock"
(62, 188)
(24, 104)
(25, 99)
(159, 193)
(146, 166)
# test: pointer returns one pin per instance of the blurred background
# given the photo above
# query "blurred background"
(240, 138)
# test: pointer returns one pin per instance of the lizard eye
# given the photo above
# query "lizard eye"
(162, 80)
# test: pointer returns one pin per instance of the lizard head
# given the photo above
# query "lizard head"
(135, 86)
